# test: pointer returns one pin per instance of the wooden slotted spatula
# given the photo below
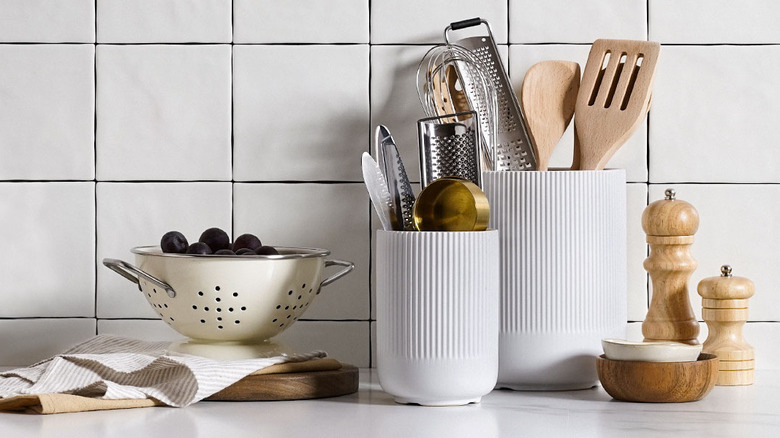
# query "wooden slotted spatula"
(614, 97)
(548, 96)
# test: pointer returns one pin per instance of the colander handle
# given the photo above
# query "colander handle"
(348, 267)
(132, 273)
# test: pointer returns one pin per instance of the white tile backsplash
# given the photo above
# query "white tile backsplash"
(45, 21)
(163, 112)
(47, 111)
(714, 21)
(329, 216)
(722, 128)
(576, 21)
(300, 112)
(121, 120)
(138, 214)
(49, 249)
(415, 22)
(168, 21)
(316, 21)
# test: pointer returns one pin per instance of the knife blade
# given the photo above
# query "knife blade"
(377, 191)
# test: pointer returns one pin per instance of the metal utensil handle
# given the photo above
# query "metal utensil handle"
(464, 24)
(127, 270)
(349, 266)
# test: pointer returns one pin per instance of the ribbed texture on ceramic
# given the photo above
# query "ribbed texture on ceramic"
(437, 294)
(563, 249)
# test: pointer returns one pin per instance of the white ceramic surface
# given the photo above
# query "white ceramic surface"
(329, 216)
(48, 249)
(47, 111)
(317, 21)
(713, 21)
(563, 273)
(44, 21)
(299, 112)
(619, 349)
(132, 214)
(566, 21)
(169, 21)
(163, 112)
(734, 107)
(632, 156)
(415, 22)
(638, 296)
(437, 315)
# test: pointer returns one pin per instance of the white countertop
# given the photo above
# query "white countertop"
(745, 411)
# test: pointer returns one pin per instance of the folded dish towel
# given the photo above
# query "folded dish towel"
(110, 372)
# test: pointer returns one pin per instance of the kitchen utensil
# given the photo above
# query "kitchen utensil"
(378, 191)
(437, 315)
(614, 97)
(563, 273)
(451, 204)
(444, 76)
(548, 96)
(322, 380)
(450, 149)
(670, 225)
(658, 382)
(514, 148)
(725, 310)
(619, 349)
(229, 299)
(397, 181)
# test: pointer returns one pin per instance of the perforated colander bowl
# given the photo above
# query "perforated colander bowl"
(229, 298)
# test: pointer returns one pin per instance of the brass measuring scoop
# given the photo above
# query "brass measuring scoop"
(451, 204)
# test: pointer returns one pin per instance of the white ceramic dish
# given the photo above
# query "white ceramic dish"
(619, 349)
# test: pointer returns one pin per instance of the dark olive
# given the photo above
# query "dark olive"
(267, 250)
(215, 238)
(245, 251)
(174, 242)
(199, 248)
(247, 241)
(225, 252)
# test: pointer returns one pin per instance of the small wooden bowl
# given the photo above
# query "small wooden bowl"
(658, 382)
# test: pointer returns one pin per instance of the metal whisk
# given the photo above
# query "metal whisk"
(451, 81)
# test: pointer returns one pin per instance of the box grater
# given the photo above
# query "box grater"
(450, 148)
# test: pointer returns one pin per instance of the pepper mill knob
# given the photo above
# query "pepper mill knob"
(670, 225)
(725, 310)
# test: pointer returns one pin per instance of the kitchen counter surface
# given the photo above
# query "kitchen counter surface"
(726, 412)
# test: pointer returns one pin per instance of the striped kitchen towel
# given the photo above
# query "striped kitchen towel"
(113, 368)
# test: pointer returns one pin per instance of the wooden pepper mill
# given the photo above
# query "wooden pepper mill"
(725, 310)
(670, 225)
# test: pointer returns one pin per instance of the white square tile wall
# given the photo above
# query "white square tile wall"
(121, 120)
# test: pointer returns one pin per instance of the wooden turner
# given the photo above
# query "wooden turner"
(613, 99)
(548, 96)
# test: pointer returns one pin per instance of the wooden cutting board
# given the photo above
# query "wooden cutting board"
(301, 381)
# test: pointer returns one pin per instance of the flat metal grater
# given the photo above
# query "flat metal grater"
(514, 148)
(450, 148)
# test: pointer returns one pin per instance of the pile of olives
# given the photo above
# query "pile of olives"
(215, 241)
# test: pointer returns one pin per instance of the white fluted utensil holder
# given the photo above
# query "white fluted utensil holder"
(563, 273)
(437, 315)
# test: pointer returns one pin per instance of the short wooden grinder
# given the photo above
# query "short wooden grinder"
(725, 310)
(670, 225)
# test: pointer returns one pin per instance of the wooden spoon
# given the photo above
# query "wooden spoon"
(614, 97)
(548, 97)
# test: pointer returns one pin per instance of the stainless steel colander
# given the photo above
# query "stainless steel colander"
(229, 298)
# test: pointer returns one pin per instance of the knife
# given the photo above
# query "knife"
(398, 184)
(377, 191)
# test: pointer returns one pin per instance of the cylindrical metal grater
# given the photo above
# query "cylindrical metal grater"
(513, 143)
(450, 148)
